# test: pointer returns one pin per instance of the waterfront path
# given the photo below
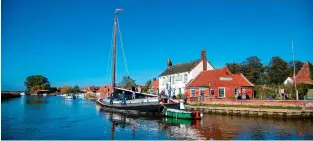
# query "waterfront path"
(265, 112)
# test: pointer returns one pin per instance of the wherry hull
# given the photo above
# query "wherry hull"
(141, 107)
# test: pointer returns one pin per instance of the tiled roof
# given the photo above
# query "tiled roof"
(179, 68)
(105, 89)
(90, 88)
(304, 75)
(242, 80)
(155, 84)
(213, 77)
(205, 78)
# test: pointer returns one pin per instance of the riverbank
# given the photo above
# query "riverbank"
(269, 111)
(9, 95)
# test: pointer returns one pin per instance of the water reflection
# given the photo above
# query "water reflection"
(217, 127)
(35, 100)
(54, 118)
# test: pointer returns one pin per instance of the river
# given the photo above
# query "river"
(54, 118)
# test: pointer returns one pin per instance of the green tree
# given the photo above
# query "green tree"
(298, 64)
(76, 89)
(36, 82)
(234, 67)
(147, 86)
(66, 90)
(127, 82)
(253, 69)
(53, 89)
(278, 70)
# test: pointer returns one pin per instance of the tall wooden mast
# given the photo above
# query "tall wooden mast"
(114, 49)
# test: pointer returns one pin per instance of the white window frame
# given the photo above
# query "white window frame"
(185, 78)
(219, 92)
(243, 90)
(179, 91)
(193, 95)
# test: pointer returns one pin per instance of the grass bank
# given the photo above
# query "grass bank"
(246, 106)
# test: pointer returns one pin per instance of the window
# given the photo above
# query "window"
(202, 92)
(173, 79)
(236, 91)
(179, 90)
(193, 92)
(221, 92)
(243, 90)
(173, 91)
(185, 78)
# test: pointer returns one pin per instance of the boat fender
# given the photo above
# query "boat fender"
(201, 115)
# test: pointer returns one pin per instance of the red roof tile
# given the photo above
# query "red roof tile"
(304, 75)
(215, 77)
(155, 84)
(105, 89)
(242, 80)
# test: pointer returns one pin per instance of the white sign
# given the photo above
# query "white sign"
(226, 78)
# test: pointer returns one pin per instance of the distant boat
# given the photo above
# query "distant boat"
(81, 96)
(44, 94)
(22, 93)
(70, 96)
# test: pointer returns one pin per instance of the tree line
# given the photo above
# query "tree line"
(273, 73)
(39, 82)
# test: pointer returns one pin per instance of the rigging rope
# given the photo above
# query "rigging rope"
(124, 56)
(110, 55)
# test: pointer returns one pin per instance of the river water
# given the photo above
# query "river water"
(54, 118)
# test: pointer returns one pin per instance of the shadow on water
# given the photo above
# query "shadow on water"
(35, 100)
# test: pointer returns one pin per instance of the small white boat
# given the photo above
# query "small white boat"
(69, 96)
(81, 96)
(44, 94)
(22, 93)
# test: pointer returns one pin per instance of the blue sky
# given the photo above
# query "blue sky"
(68, 41)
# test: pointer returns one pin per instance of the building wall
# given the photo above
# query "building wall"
(175, 85)
(154, 90)
(229, 92)
(299, 103)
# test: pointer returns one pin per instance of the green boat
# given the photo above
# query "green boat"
(182, 114)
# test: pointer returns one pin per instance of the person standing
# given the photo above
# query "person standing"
(133, 95)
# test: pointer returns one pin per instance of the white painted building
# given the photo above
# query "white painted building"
(178, 76)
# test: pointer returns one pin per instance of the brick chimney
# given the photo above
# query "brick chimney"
(169, 63)
(204, 60)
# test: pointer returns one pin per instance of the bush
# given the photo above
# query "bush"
(263, 92)
(180, 96)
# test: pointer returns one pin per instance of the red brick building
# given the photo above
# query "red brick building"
(219, 83)
(105, 91)
(154, 88)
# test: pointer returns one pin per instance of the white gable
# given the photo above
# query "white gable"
(288, 81)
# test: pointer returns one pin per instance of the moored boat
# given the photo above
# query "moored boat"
(180, 113)
(142, 102)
